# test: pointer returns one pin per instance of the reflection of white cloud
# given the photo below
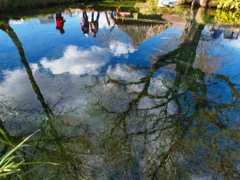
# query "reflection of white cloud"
(78, 61)
(234, 43)
(123, 72)
(157, 87)
(73, 92)
(135, 87)
(147, 103)
(17, 91)
(34, 67)
(20, 21)
(81, 61)
(119, 48)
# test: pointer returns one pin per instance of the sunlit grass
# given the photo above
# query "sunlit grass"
(15, 4)
(124, 5)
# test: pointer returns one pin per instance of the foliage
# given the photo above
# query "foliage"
(228, 4)
(227, 17)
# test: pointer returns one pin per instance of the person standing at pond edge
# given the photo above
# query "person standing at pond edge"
(94, 24)
(85, 24)
(60, 22)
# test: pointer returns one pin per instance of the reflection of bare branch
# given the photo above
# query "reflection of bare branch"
(165, 157)
(192, 104)
(228, 167)
(230, 84)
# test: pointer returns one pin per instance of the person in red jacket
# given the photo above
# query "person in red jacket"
(60, 22)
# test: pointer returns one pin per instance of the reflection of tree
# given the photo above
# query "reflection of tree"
(141, 29)
(50, 145)
(147, 31)
(198, 137)
(174, 131)
(7, 28)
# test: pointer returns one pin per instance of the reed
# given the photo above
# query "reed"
(20, 4)
(12, 163)
(8, 166)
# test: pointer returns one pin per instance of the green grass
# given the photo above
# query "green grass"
(12, 162)
(124, 5)
(20, 4)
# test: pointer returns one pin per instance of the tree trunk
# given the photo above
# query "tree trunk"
(204, 3)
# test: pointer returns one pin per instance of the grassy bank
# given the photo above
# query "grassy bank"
(20, 4)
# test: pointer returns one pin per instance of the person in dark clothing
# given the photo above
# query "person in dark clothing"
(94, 24)
(85, 24)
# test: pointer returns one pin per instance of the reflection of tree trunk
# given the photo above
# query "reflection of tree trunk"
(107, 18)
(184, 55)
(6, 28)
(69, 165)
(190, 27)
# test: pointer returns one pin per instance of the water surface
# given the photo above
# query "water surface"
(153, 97)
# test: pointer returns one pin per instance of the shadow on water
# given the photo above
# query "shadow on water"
(165, 124)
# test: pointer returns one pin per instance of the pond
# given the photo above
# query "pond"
(144, 96)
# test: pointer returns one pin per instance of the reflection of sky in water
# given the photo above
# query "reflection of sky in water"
(231, 68)
(75, 54)
(77, 70)
(224, 56)
(33, 35)
(78, 61)
(228, 54)
(121, 48)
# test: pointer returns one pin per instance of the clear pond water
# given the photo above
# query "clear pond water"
(149, 97)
